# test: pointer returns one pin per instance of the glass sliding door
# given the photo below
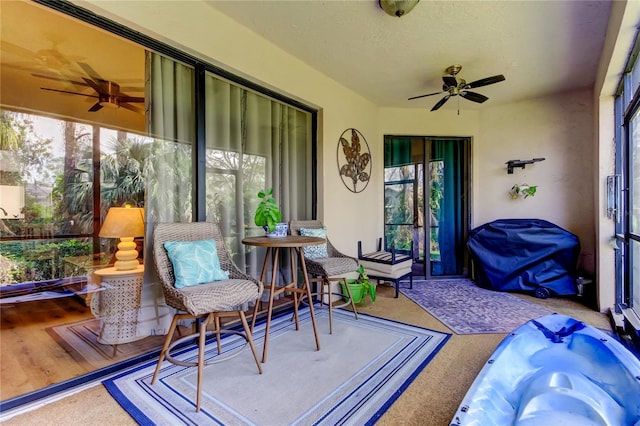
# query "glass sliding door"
(67, 157)
(625, 196)
(632, 292)
(426, 208)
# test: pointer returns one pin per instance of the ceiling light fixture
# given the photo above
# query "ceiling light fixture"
(397, 8)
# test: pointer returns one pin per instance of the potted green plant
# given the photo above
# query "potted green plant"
(268, 215)
(523, 189)
(359, 287)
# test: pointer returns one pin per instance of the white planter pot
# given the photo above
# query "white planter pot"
(279, 232)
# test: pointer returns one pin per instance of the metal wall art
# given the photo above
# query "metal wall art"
(354, 160)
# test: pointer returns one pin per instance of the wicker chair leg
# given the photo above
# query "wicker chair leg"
(329, 302)
(249, 338)
(201, 344)
(217, 325)
(165, 346)
(325, 282)
(353, 305)
(255, 313)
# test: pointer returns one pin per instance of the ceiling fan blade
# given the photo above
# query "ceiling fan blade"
(473, 96)
(440, 103)
(428, 94)
(130, 108)
(90, 71)
(68, 92)
(485, 81)
(50, 77)
(450, 81)
(96, 107)
(130, 99)
(128, 89)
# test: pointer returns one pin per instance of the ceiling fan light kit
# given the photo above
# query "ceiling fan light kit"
(397, 8)
(454, 86)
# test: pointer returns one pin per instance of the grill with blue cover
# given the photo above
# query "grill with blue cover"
(524, 255)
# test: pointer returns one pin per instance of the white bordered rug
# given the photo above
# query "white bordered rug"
(360, 370)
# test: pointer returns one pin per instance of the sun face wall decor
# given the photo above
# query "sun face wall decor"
(354, 160)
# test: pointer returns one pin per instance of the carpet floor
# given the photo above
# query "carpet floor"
(431, 399)
(360, 370)
(468, 309)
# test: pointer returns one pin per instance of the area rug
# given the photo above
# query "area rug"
(359, 371)
(80, 340)
(468, 309)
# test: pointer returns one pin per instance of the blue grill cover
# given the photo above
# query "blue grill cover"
(524, 254)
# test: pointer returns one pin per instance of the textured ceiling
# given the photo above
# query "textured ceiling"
(541, 47)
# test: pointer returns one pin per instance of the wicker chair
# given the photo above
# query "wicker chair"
(335, 268)
(205, 302)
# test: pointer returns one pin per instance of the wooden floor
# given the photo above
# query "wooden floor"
(30, 359)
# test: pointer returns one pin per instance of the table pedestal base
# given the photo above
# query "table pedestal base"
(295, 252)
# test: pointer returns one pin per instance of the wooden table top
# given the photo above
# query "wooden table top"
(288, 241)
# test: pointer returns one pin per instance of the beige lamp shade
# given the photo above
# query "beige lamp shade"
(125, 223)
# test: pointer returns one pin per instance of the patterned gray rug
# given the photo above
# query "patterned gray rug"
(468, 309)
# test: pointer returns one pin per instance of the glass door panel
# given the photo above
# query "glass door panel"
(634, 275)
(632, 291)
(419, 237)
(398, 207)
(435, 210)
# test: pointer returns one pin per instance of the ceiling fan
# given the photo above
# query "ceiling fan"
(454, 86)
(106, 92)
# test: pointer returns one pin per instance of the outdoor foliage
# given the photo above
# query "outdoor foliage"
(31, 262)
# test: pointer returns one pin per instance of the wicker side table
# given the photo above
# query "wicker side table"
(118, 305)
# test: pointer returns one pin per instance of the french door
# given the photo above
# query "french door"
(624, 191)
(427, 209)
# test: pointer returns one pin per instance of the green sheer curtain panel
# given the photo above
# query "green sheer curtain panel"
(450, 231)
(397, 152)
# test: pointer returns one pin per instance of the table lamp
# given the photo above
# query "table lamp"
(125, 223)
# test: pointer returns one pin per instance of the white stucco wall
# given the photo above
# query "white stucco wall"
(557, 128)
